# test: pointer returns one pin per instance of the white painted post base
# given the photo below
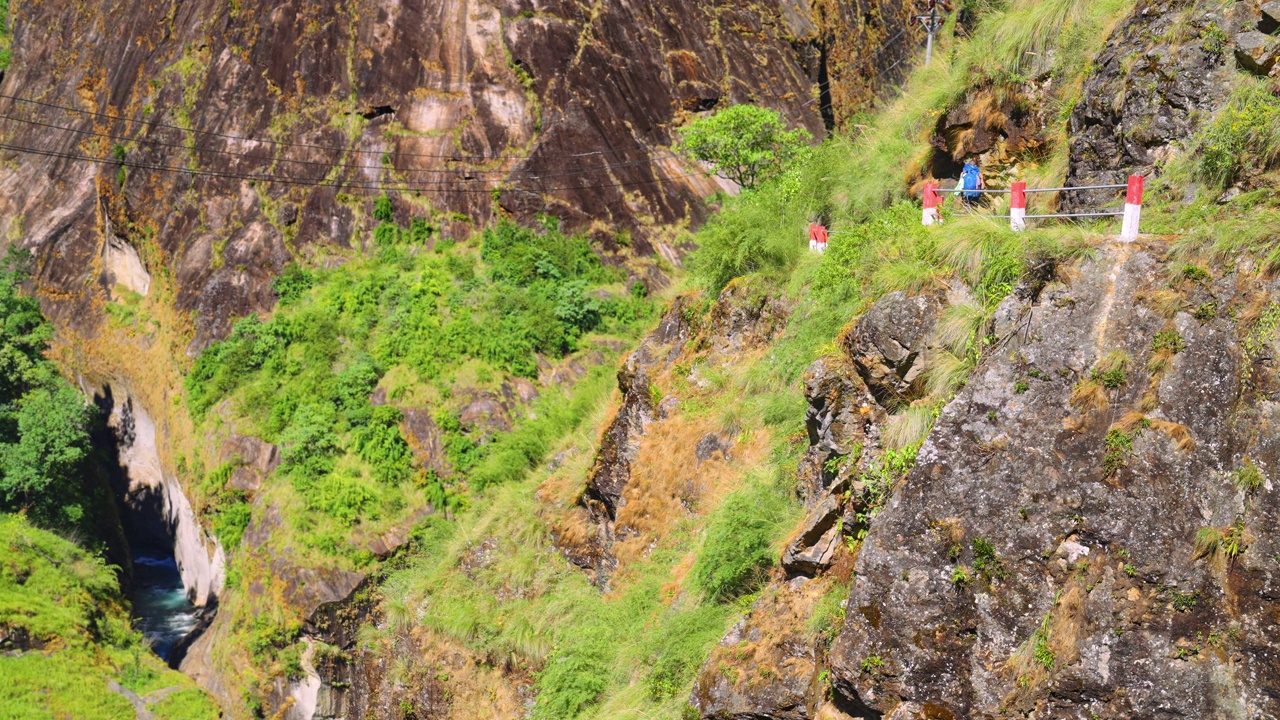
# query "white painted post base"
(1018, 219)
(1132, 220)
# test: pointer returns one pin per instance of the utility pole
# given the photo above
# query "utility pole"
(932, 24)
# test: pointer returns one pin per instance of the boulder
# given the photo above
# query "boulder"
(1146, 99)
(1031, 565)
(815, 548)
(888, 346)
(842, 418)
(1270, 21)
(1256, 52)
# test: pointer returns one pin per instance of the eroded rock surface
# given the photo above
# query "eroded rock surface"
(466, 98)
(888, 346)
(1165, 71)
(1041, 557)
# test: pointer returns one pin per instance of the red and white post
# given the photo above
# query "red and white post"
(1018, 206)
(932, 203)
(1132, 209)
(818, 238)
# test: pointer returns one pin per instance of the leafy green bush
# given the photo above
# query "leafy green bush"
(574, 679)
(739, 545)
(383, 448)
(230, 523)
(1246, 133)
(745, 143)
(383, 209)
(292, 283)
(45, 467)
(306, 377)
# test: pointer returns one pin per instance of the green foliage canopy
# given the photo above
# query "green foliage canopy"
(745, 143)
(44, 439)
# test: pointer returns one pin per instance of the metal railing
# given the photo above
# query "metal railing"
(1018, 216)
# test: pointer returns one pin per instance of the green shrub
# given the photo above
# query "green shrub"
(739, 544)
(1246, 133)
(386, 235)
(1248, 478)
(745, 143)
(1167, 341)
(574, 678)
(309, 446)
(292, 283)
(230, 523)
(1119, 446)
(985, 560)
(383, 210)
(380, 445)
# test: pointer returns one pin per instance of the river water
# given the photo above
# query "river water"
(160, 605)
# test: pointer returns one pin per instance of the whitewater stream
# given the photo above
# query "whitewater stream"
(160, 605)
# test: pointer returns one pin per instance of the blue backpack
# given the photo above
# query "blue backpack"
(969, 180)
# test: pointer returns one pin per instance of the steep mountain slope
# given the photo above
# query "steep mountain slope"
(69, 649)
(171, 160)
(938, 472)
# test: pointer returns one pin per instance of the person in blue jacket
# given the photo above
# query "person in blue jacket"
(971, 183)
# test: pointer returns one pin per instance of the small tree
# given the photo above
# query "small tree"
(745, 143)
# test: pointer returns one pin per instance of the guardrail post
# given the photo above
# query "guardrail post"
(1018, 206)
(1132, 209)
(931, 203)
(818, 238)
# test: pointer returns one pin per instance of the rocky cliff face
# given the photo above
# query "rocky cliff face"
(254, 133)
(1080, 532)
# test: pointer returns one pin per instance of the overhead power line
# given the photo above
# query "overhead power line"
(343, 166)
(338, 184)
(329, 148)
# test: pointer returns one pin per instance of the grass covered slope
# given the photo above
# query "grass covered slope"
(697, 538)
(69, 650)
(398, 384)
(490, 583)
(416, 326)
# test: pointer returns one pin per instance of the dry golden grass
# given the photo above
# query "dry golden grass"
(669, 484)
(1251, 313)
(1166, 302)
(1060, 634)
(1179, 433)
(479, 690)
(775, 622)
(1090, 396)
(1128, 421)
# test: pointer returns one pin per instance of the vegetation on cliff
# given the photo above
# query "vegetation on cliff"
(365, 343)
(46, 469)
(69, 648)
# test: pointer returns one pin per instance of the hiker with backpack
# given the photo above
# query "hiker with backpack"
(971, 183)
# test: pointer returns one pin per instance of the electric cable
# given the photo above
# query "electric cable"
(330, 148)
(339, 166)
(354, 185)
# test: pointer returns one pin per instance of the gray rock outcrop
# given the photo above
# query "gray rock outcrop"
(1042, 557)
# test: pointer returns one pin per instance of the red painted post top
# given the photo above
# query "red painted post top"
(1134, 196)
(1018, 196)
(931, 199)
(818, 233)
